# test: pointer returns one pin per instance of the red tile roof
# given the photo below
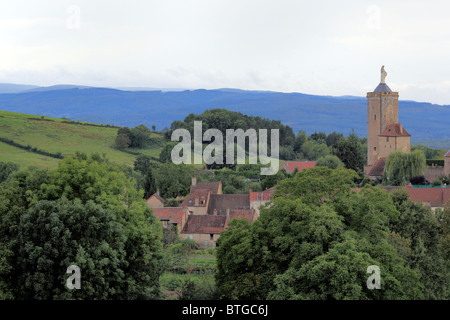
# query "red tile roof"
(202, 196)
(395, 130)
(447, 154)
(435, 197)
(290, 166)
(204, 224)
(214, 186)
(377, 169)
(248, 214)
(265, 195)
(173, 214)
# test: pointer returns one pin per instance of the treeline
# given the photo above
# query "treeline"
(42, 118)
(56, 155)
(223, 119)
(137, 137)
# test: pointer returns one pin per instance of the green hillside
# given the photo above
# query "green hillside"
(64, 136)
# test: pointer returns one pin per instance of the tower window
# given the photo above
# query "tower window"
(374, 117)
(374, 148)
(387, 139)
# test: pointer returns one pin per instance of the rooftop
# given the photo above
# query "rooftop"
(172, 214)
(377, 169)
(382, 87)
(394, 130)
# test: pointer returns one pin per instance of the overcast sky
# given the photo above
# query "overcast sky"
(316, 47)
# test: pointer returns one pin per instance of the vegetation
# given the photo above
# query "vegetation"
(60, 138)
(86, 213)
(318, 237)
(401, 167)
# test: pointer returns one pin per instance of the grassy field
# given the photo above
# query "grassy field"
(53, 135)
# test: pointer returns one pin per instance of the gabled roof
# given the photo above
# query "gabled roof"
(202, 196)
(394, 130)
(157, 196)
(447, 155)
(172, 214)
(214, 186)
(204, 224)
(290, 166)
(248, 214)
(219, 203)
(377, 169)
(265, 195)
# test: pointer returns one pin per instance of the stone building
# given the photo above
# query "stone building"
(384, 133)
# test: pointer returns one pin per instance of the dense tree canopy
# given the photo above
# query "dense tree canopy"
(86, 213)
(318, 237)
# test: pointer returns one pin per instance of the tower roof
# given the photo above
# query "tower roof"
(382, 87)
(394, 130)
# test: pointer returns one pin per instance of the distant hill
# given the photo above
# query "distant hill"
(62, 136)
(160, 108)
(15, 88)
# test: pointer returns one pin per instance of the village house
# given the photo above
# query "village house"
(172, 217)
(290, 166)
(155, 201)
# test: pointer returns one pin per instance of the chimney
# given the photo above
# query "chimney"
(215, 212)
(194, 181)
(196, 202)
(228, 213)
(157, 192)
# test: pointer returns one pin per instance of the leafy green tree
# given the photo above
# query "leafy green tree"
(299, 141)
(330, 161)
(173, 180)
(123, 141)
(166, 152)
(333, 138)
(140, 136)
(6, 168)
(39, 213)
(400, 167)
(425, 233)
(315, 240)
(351, 152)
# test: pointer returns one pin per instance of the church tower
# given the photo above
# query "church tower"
(384, 133)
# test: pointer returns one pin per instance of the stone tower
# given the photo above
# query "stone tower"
(384, 133)
(382, 110)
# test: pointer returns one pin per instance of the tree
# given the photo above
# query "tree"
(166, 152)
(316, 240)
(300, 140)
(153, 127)
(350, 151)
(173, 180)
(123, 141)
(6, 169)
(39, 214)
(140, 136)
(330, 161)
(71, 233)
(400, 167)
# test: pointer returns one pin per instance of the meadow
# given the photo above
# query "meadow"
(64, 136)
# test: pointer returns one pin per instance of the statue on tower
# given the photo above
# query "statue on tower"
(383, 75)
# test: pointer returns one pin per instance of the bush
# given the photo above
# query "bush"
(418, 180)
(191, 244)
